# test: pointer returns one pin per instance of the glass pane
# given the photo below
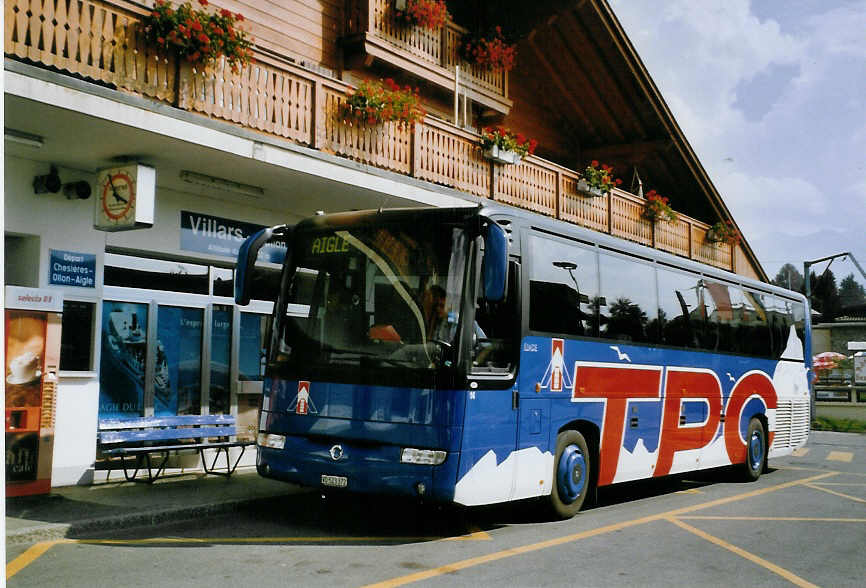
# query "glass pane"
(76, 338)
(381, 298)
(679, 316)
(121, 367)
(718, 314)
(155, 274)
(752, 333)
(627, 304)
(251, 359)
(563, 286)
(223, 281)
(220, 352)
(780, 321)
(177, 374)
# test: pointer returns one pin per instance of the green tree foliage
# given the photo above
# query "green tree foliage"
(789, 277)
(851, 292)
(825, 295)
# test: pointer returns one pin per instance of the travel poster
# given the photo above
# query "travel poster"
(177, 377)
(124, 349)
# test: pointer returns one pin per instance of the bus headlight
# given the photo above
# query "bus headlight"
(422, 456)
(270, 440)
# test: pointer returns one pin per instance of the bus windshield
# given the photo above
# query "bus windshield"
(373, 298)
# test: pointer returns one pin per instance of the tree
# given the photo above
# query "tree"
(825, 295)
(789, 277)
(851, 293)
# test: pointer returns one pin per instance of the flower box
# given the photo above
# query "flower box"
(495, 153)
(584, 189)
(723, 232)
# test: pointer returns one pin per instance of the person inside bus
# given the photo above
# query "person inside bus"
(435, 315)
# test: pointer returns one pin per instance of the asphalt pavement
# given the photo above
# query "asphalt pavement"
(70, 511)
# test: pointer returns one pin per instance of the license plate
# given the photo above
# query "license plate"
(335, 481)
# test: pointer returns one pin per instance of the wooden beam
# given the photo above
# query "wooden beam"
(556, 77)
(633, 152)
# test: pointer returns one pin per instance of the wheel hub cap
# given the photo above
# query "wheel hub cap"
(571, 473)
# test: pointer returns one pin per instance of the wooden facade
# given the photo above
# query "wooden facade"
(304, 50)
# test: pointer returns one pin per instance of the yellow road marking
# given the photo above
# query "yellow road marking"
(796, 519)
(800, 452)
(690, 491)
(797, 580)
(476, 535)
(833, 492)
(845, 456)
(30, 555)
(843, 484)
(802, 469)
(37, 550)
(506, 553)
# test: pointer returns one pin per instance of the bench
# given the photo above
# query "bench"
(143, 437)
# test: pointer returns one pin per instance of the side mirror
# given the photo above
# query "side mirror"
(247, 255)
(494, 267)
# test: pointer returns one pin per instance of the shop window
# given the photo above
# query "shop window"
(124, 352)
(76, 338)
(223, 282)
(251, 347)
(177, 369)
(220, 353)
(155, 274)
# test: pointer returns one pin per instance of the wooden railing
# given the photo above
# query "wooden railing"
(101, 41)
(437, 50)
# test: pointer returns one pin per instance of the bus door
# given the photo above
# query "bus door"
(488, 460)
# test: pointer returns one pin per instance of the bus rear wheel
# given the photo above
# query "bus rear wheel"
(571, 474)
(756, 451)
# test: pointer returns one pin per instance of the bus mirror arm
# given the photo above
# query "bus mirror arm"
(247, 255)
(494, 267)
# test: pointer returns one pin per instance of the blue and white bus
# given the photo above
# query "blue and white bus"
(481, 355)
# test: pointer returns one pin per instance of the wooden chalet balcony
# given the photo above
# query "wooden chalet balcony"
(101, 41)
(372, 31)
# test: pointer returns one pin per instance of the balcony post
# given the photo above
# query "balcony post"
(610, 212)
(691, 240)
(415, 150)
(558, 194)
(318, 130)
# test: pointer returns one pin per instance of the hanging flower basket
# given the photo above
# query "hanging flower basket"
(197, 36)
(491, 51)
(499, 155)
(375, 102)
(584, 189)
(597, 181)
(723, 232)
(657, 209)
(429, 14)
(501, 145)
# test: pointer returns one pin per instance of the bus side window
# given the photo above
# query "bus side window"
(496, 328)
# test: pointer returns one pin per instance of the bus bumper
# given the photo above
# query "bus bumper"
(364, 468)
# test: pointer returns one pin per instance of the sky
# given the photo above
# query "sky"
(771, 94)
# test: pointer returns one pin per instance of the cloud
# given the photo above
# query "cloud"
(773, 106)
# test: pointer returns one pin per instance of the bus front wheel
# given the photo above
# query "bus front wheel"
(571, 474)
(756, 451)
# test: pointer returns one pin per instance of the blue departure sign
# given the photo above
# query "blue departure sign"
(69, 268)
